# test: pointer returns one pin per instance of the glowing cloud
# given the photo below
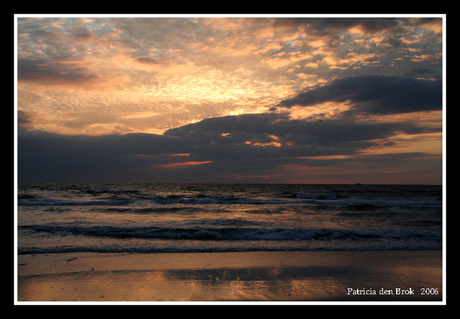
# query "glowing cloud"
(182, 164)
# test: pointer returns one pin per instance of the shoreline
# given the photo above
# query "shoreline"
(401, 275)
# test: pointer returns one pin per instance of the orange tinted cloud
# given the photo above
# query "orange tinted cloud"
(166, 68)
(192, 163)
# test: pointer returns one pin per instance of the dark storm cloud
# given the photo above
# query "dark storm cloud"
(61, 158)
(375, 94)
(297, 137)
(243, 144)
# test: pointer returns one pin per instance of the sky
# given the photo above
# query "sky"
(230, 99)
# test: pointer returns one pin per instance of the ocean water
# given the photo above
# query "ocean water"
(156, 218)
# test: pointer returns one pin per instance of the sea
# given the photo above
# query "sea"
(187, 218)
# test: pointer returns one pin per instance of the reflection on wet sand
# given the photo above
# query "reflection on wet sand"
(301, 277)
(208, 284)
(276, 283)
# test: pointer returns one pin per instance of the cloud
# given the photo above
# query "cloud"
(24, 118)
(292, 137)
(395, 168)
(83, 35)
(433, 24)
(231, 147)
(118, 76)
(26, 121)
(147, 60)
(420, 72)
(375, 94)
(181, 164)
(53, 72)
(331, 26)
(166, 68)
(59, 158)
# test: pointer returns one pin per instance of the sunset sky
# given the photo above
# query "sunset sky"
(246, 99)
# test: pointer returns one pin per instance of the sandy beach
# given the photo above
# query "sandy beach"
(232, 276)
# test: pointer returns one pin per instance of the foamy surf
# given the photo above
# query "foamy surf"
(152, 218)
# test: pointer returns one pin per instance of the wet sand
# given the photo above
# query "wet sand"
(238, 276)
